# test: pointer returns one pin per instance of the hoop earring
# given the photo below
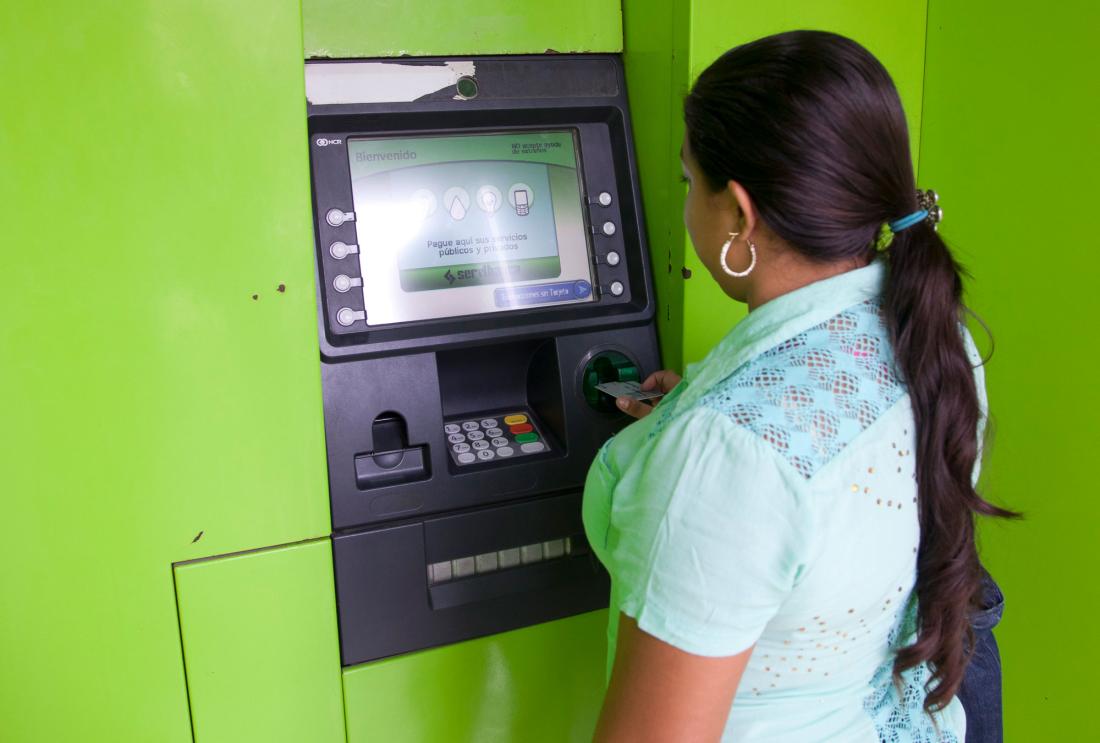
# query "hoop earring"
(726, 250)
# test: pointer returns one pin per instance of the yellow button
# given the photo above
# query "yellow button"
(512, 420)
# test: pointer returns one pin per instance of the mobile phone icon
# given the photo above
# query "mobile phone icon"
(523, 203)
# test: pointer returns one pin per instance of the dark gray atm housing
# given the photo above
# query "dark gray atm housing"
(407, 519)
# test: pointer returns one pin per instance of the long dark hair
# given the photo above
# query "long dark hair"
(811, 125)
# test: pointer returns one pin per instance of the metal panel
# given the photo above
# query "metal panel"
(261, 647)
(656, 59)
(395, 28)
(155, 179)
(542, 683)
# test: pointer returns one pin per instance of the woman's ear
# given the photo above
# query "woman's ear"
(741, 200)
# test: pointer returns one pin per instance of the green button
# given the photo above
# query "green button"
(526, 438)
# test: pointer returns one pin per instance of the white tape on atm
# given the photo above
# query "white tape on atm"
(379, 82)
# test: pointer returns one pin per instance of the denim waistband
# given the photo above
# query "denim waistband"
(993, 606)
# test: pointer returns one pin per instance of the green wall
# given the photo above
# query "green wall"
(159, 374)
(154, 411)
(655, 60)
(1010, 143)
(396, 28)
(541, 684)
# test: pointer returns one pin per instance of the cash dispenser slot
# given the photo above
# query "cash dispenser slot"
(388, 605)
(499, 582)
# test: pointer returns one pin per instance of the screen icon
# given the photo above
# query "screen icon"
(456, 200)
(423, 202)
(522, 197)
(489, 198)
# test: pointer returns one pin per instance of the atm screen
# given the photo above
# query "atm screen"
(469, 224)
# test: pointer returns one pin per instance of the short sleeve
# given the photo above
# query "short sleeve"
(706, 535)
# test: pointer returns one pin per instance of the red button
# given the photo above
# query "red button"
(522, 428)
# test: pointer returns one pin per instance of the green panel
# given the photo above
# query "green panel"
(395, 28)
(892, 31)
(261, 646)
(656, 59)
(541, 683)
(155, 179)
(1010, 143)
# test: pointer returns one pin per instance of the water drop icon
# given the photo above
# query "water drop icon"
(457, 202)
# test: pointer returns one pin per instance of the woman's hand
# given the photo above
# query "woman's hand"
(663, 381)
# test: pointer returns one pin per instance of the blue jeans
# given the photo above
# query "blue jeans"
(980, 692)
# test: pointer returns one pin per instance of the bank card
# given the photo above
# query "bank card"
(633, 390)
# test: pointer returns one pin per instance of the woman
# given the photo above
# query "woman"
(801, 503)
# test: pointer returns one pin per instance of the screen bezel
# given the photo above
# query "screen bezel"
(609, 164)
(582, 205)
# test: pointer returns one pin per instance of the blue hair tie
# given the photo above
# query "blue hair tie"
(900, 224)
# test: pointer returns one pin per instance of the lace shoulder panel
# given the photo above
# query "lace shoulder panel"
(810, 395)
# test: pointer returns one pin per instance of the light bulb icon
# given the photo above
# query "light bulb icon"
(489, 198)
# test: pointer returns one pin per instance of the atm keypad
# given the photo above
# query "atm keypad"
(488, 439)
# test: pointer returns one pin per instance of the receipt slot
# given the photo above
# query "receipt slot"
(466, 282)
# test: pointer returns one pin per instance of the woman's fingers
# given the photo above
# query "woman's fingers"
(663, 380)
(633, 408)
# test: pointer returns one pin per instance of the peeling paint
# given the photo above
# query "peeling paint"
(380, 82)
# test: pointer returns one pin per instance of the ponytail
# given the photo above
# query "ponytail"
(923, 306)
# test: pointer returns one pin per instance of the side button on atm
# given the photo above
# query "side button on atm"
(337, 217)
(342, 283)
(340, 250)
(346, 316)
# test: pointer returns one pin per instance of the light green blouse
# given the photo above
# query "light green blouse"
(770, 500)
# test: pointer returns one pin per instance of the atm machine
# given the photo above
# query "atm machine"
(481, 266)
